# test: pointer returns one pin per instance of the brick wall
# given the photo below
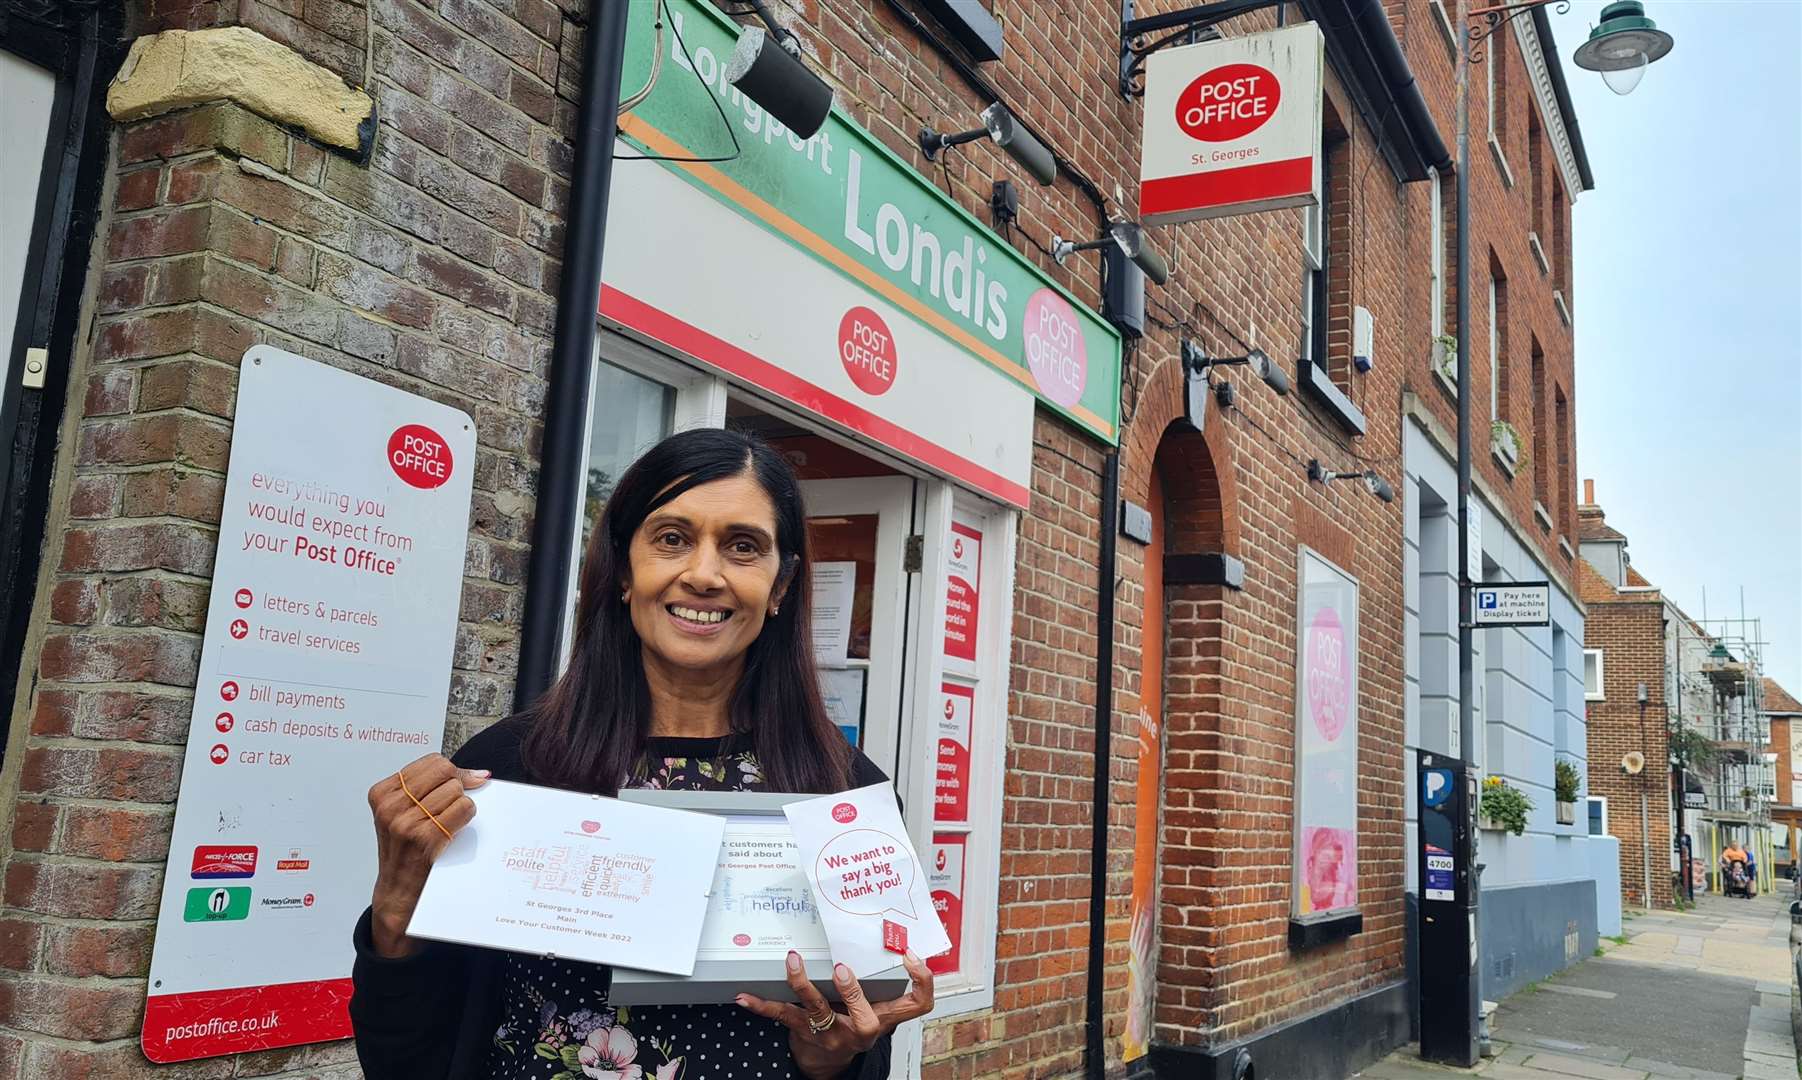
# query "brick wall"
(1629, 629)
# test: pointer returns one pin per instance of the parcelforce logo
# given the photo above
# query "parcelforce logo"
(221, 861)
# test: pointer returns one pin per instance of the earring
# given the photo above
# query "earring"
(625, 597)
(775, 611)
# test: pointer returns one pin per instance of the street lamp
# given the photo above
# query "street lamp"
(1623, 46)
(1625, 42)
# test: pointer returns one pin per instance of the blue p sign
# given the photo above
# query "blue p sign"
(1435, 786)
(1486, 599)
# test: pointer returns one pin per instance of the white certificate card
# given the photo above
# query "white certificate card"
(555, 873)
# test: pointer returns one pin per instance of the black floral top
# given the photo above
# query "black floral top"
(556, 1021)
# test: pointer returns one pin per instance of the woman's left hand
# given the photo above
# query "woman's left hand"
(823, 1039)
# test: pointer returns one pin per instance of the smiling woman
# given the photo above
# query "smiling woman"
(691, 669)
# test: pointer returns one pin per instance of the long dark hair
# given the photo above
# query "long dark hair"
(588, 730)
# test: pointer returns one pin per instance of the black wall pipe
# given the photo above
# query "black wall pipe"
(561, 471)
(1096, 1048)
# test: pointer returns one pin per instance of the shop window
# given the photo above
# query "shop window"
(629, 415)
(1592, 675)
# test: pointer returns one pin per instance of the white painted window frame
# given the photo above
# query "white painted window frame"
(1600, 691)
(1495, 352)
(1436, 258)
(1313, 261)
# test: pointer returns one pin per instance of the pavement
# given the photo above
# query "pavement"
(1704, 994)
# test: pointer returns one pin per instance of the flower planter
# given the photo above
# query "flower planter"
(1567, 813)
(1493, 824)
(1445, 366)
(1506, 445)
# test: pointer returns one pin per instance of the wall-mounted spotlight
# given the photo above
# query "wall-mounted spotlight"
(1009, 134)
(1376, 484)
(767, 68)
(1129, 238)
(1260, 364)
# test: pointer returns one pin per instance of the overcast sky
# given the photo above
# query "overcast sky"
(1689, 309)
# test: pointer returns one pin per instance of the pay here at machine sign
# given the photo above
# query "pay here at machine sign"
(1232, 126)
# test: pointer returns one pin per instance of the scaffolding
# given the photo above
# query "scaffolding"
(1715, 690)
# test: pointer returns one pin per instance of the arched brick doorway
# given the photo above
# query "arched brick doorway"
(1188, 577)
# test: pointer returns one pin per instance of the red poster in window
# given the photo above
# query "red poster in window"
(951, 787)
(963, 559)
(945, 877)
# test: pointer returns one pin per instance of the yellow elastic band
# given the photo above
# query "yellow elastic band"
(403, 786)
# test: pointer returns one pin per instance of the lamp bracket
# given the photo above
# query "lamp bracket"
(1497, 16)
(1138, 40)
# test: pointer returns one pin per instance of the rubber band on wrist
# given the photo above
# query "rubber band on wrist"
(401, 776)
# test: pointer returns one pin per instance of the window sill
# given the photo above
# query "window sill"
(1320, 386)
(1501, 161)
(1446, 383)
(1543, 516)
(1311, 933)
(1559, 303)
(1545, 265)
(1508, 465)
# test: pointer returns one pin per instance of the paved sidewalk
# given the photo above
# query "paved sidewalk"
(1698, 995)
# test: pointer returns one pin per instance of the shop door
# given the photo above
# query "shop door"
(857, 533)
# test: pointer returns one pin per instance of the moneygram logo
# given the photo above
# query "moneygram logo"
(287, 903)
(223, 861)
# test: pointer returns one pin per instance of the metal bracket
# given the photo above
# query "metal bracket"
(1494, 18)
(1188, 25)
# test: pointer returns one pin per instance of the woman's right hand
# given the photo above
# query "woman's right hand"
(407, 842)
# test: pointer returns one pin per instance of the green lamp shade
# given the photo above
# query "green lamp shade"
(1623, 45)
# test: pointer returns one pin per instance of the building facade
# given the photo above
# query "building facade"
(383, 188)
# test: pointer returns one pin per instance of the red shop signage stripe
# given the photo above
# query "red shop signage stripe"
(662, 326)
(211, 1023)
(1247, 183)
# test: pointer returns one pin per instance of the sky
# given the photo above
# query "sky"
(1688, 309)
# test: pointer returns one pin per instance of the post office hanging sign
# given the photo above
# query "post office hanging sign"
(1232, 126)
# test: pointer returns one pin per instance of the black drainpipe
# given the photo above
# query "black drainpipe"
(1096, 1051)
(561, 471)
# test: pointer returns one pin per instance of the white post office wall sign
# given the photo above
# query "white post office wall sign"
(326, 666)
(1232, 126)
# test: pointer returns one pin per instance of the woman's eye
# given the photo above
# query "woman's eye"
(747, 548)
(669, 538)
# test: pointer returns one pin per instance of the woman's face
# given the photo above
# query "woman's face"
(705, 574)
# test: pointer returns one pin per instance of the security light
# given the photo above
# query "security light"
(766, 67)
(1374, 483)
(1008, 133)
(1129, 237)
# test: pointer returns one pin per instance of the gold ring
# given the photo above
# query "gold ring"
(821, 1026)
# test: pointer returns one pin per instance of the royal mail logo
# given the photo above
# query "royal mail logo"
(224, 861)
(294, 863)
(844, 813)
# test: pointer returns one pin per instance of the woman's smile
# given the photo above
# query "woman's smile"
(698, 620)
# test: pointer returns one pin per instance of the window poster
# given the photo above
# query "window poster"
(951, 784)
(945, 877)
(963, 604)
(1326, 741)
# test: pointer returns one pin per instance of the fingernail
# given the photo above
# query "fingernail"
(794, 960)
(843, 972)
(742, 1000)
(483, 773)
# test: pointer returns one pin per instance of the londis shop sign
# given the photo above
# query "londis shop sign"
(849, 203)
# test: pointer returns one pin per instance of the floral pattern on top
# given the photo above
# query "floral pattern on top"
(557, 1023)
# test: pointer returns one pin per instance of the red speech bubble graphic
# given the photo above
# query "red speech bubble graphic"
(866, 872)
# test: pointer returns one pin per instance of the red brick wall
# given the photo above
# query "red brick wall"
(1630, 634)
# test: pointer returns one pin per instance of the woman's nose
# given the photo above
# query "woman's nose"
(703, 571)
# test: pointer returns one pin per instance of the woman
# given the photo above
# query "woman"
(692, 669)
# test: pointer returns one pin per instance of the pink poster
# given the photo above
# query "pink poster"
(1326, 740)
(963, 559)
